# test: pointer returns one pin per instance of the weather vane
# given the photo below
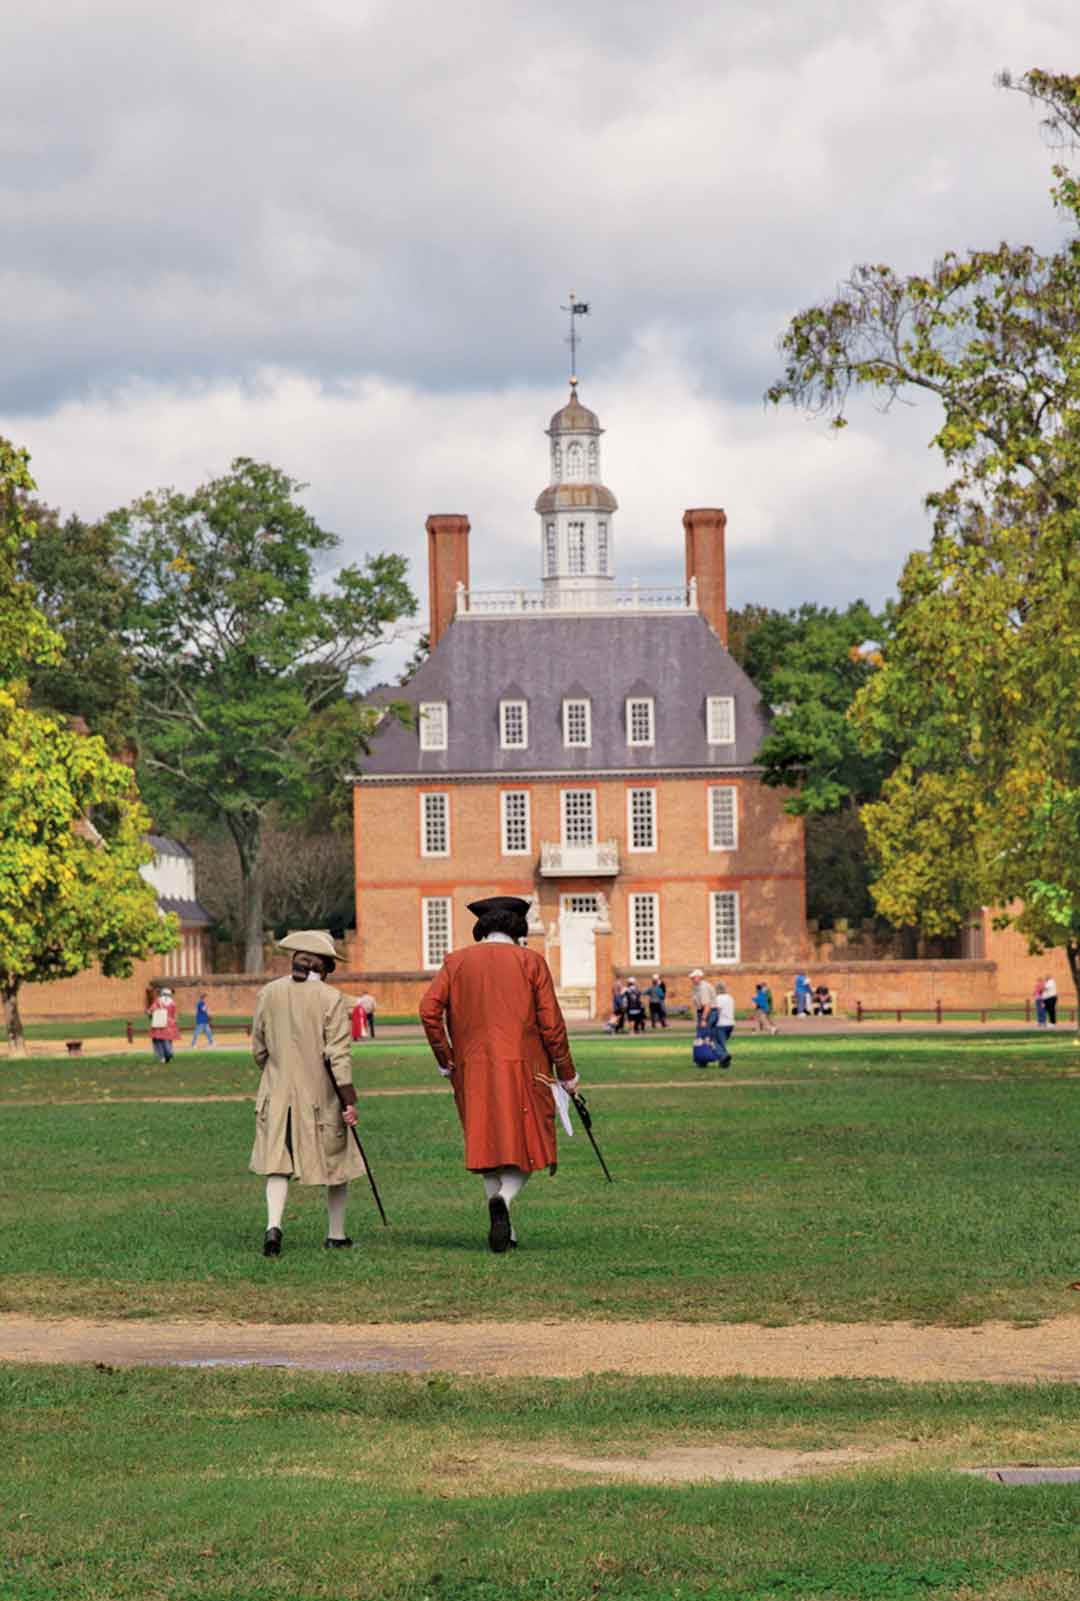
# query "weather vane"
(576, 308)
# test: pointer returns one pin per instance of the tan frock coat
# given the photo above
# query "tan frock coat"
(295, 1026)
(497, 1003)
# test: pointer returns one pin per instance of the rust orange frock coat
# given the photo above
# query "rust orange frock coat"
(497, 1002)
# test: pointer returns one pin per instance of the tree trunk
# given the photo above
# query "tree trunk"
(1072, 951)
(247, 832)
(12, 1021)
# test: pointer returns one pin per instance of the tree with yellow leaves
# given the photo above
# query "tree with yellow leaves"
(72, 831)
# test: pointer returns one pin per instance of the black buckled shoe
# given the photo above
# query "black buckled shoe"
(272, 1243)
(499, 1232)
(337, 1245)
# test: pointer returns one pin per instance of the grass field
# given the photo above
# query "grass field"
(283, 1486)
(835, 1178)
(840, 1179)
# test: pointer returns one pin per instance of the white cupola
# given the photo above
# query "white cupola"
(575, 509)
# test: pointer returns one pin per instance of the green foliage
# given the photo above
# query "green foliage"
(25, 636)
(244, 656)
(69, 894)
(809, 665)
(980, 692)
(73, 571)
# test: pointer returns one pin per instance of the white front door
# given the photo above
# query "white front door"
(577, 940)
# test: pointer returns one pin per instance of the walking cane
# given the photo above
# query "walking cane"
(352, 1130)
(584, 1114)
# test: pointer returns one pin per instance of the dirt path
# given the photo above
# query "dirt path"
(996, 1352)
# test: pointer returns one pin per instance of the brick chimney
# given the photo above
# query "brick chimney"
(704, 528)
(448, 565)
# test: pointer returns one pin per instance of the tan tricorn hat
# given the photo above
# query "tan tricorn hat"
(315, 941)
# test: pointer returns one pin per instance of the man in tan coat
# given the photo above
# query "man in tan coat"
(301, 1125)
(506, 1034)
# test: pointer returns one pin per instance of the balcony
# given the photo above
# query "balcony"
(599, 860)
(574, 602)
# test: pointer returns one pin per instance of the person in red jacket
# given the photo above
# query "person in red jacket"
(506, 1036)
(163, 1027)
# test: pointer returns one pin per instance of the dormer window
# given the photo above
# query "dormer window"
(720, 719)
(640, 721)
(433, 723)
(577, 724)
(513, 724)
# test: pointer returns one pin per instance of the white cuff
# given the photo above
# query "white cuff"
(446, 1071)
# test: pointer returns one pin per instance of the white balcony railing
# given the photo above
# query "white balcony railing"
(545, 603)
(582, 861)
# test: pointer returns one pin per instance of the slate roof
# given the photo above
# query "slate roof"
(164, 846)
(676, 658)
(189, 912)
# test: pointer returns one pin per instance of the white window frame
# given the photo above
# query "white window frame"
(715, 957)
(640, 700)
(523, 742)
(434, 795)
(564, 795)
(551, 550)
(577, 744)
(434, 731)
(431, 960)
(638, 956)
(716, 844)
(603, 548)
(641, 789)
(717, 707)
(577, 549)
(504, 828)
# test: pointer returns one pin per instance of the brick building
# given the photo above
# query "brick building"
(588, 747)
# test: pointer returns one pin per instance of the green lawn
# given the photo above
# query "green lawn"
(836, 1178)
(285, 1486)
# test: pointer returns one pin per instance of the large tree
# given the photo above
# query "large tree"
(244, 657)
(72, 832)
(74, 572)
(980, 691)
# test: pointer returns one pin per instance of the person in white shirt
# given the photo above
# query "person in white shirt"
(1049, 996)
(725, 1013)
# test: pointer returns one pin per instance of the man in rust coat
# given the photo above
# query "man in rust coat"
(497, 1004)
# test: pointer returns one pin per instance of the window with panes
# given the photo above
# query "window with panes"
(602, 549)
(639, 721)
(435, 825)
(579, 816)
(644, 928)
(436, 914)
(723, 818)
(513, 724)
(724, 925)
(551, 551)
(515, 822)
(433, 724)
(575, 554)
(642, 804)
(721, 720)
(577, 723)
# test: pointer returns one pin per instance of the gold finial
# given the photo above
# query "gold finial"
(573, 382)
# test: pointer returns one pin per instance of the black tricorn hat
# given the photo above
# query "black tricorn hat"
(499, 903)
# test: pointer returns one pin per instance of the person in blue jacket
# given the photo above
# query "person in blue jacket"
(202, 1023)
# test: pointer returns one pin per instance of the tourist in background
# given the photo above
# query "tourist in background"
(725, 1015)
(1040, 1003)
(1050, 1001)
(163, 1025)
(202, 1022)
(704, 997)
(656, 995)
(762, 1003)
(803, 992)
(635, 1006)
(367, 1003)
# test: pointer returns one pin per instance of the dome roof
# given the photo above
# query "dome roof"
(574, 418)
(565, 497)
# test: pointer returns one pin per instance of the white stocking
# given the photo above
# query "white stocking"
(492, 1182)
(336, 1197)
(277, 1190)
(514, 1180)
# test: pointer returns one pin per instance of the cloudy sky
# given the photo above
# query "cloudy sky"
(336, 236)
